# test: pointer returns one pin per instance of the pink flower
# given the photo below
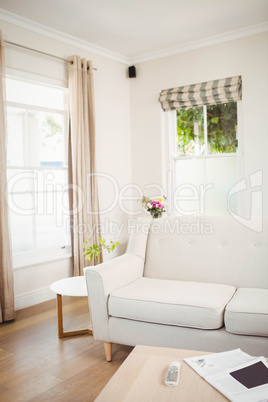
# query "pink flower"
(160, 205)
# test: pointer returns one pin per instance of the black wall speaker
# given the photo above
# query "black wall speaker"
(132, 72)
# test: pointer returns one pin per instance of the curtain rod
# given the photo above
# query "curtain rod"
(39, 51)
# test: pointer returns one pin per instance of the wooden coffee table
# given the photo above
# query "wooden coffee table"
(141, 378)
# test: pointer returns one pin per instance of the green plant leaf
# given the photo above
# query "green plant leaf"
(96, 249)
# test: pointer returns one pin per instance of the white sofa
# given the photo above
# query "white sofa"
(189, 283)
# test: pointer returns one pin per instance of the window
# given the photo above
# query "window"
(207, 130)
(37, 126)
(203, 153)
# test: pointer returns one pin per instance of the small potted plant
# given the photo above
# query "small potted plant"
(92, 249)
(155, 207)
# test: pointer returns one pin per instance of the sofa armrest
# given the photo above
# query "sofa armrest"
(102, 280)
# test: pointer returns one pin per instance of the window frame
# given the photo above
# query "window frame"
(169, 155)
(206, 154)
(36, 257)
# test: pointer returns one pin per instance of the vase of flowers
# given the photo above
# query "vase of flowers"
(155, 207)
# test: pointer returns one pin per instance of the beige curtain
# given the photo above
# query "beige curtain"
(84, 204)
(7, 311)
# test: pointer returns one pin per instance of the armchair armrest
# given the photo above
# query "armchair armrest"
(102, 280)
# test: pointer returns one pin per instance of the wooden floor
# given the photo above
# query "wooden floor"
(35, 365)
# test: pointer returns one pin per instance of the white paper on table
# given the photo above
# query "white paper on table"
(215, 369)
(213, 363)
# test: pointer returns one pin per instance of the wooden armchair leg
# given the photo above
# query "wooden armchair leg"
(108, 351)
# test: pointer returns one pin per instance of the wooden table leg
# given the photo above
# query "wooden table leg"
(60, 321)
(61, 332)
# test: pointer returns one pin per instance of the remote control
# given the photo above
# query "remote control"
(172, 377)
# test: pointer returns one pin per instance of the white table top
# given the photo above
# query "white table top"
(74, 286)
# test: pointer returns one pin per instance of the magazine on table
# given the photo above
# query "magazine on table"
(237, 375)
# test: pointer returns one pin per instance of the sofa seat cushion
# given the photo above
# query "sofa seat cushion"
(247, 312)
(188, 304)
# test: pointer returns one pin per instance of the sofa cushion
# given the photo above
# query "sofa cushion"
(188, 304)
(247, 312)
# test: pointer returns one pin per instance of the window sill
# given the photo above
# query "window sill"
(183, 157)
(46, 256)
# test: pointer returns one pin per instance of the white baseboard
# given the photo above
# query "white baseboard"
(32, 298)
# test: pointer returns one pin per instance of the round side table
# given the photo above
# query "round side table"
(74, 286)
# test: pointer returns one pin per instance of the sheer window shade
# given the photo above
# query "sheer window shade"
(35, 67)
(207, 93)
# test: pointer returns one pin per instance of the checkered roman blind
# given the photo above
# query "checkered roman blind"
(207, 93)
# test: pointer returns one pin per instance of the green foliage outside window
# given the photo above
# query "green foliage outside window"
(51, 131)
(221, 129)
(190, 130)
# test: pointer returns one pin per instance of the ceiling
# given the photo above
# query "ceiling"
(135, 28)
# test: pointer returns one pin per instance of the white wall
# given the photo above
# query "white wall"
(126, 106)
(112, 143)
(247, 57)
